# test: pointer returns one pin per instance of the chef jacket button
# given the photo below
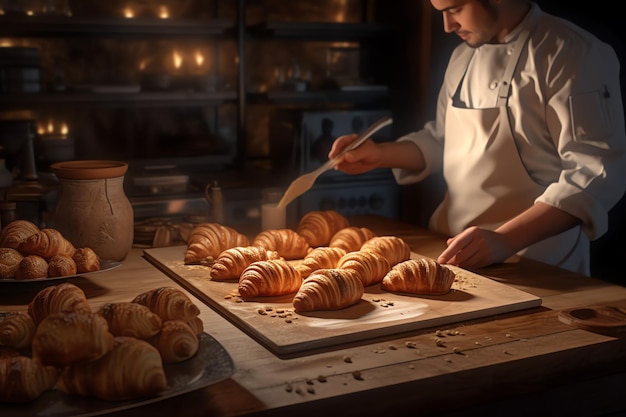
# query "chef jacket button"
(493, 85)
(509, 51)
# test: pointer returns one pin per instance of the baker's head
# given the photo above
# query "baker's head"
(481, 21)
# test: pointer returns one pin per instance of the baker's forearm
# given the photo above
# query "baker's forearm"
(538, 222)
(403, 155)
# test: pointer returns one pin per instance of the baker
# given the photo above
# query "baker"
(529, 133)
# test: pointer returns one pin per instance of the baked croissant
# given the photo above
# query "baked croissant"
(351, 238)
(23, 379)
(71, 337)
(231, 262)
(46, 243)
(15, 232)
(419, 276)
(321, 257)
(169, 303)
(288, 243)
(393, 248)
(16, 330)
(86, 260)
(61, 266)
(55, 299)
(132, 369)
(268, 278)
(328, 289)
(318, 227)
(176, 341)
(9, 260)
(196, 324)
(31, 267)
(208, 240)
(130, 319)
(370, 267)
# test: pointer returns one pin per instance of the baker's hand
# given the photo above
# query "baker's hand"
(359, 160)
(475, 248)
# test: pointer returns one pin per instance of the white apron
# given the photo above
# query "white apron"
(487, 181)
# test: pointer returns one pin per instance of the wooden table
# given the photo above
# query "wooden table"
(521, 363)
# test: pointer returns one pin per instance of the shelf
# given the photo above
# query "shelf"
(54, 26)
(321, 97)
(321, 31)
(143, 99)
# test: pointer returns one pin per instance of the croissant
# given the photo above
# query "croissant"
(132, 369)
(208, 240)
(23, 379)
(322, 257)
(130, 319)
(55, 299)
(16, 330)
(46, 243)
(288, 243)
(231, 262)
(196, 324)
(86, 260)
(15, 232)
(328, 289)
(61, 266)
(71, 337)
(393, 248)
(168, 303)
(370, 267)
(318, 227)
(351, 238)
(176, 341)
(31, 267)
(267, 278)
(7, 352)
(419, 276)
(9, 260)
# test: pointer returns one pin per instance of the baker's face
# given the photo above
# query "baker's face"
(469, 19)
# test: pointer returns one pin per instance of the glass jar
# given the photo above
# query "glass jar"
(92, 209)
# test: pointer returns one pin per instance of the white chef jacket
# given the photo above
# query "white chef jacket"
(565, 110)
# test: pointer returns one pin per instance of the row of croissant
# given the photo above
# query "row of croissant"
(28, 252)
(116, 352)
(338, 262)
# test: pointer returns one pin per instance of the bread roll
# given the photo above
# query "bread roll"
(176, 341)
(370, 267)
(231, 262)
(46, 243)
(61, 266)
(328, 289)
(131, 370)
(322, 257)
(393, 248)
(288, 243)
(419, 276)
(15, 232)
(17, 330)
(23, 379)
(57, 298)
(130, 319)
(169, 303)
(32, 267)
(71, 337)
(351, 238)
(269, 278)
(9, 260)
(86, 260)
(318, 227)
(208, 240)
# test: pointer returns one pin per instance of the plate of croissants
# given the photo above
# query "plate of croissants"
(30, 254)
(86, 361)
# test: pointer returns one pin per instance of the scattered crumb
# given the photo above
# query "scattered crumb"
(392, 347)
(308, 381)
(411, 366)
(509, 335)
(347, 359)
(321, 378)
(410, 344)
(288, 388)
(357, 375)
(310, 390)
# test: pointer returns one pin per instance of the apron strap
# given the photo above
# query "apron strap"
(505, 84)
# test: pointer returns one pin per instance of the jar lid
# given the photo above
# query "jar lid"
(89, 169)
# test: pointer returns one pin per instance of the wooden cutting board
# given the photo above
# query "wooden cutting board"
(273, 323)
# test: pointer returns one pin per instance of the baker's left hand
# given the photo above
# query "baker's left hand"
(475, 248)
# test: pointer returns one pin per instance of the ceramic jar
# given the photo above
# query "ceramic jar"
(92, 209)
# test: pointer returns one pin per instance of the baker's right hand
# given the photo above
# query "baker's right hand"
(357, 161)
